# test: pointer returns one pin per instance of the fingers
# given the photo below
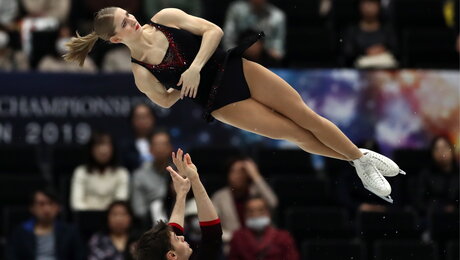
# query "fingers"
(188, 159)
(195, 91)
(180, 81)
(173, 173)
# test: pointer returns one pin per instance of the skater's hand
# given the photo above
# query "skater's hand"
(189, 80)
(181, 184)
(184, 165)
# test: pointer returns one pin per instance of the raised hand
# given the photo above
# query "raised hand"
(181, 185)
(190, 80)
(184, 164)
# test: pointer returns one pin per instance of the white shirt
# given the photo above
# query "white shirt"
(95, 191)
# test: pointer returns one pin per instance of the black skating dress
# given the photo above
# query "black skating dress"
(222, 79)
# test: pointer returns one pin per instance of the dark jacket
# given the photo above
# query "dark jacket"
(22, 243)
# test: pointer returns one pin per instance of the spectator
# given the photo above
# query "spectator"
(150, 182)
(257, 15)
(116, 241)
(244, 180)
(439, 182)
(8, 11)
(450, 8)
(58, 9)
(101, 181)
(44, 236)
(136, 150)
(53, 62)
(370, 44)
(117, 60)
(193, 7)
(9, 58)
(259, 239)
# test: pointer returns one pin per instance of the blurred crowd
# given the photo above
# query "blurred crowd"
(318, 33)
(123, 188)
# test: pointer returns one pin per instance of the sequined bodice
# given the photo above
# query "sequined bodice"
(183, 47)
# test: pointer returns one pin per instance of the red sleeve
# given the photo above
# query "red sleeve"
(178, 229)
(290, 247)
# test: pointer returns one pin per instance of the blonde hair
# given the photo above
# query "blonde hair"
(104, 28)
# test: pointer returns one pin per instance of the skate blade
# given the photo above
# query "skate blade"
(385, 198)
(402, 172)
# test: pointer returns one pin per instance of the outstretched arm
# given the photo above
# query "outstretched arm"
(182, 187)
(206, 210)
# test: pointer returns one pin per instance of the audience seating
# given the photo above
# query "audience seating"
(89, 222)
(283, 161)
(429, 48)
(405, 250)
(212, 160)
(453, 250)
(12, 217)
(19, 160)
(333, 250)
(66, 158)
(318, 223)
(443, 226)
(394, 224)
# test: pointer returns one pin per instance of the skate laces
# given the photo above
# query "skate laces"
(376, 175)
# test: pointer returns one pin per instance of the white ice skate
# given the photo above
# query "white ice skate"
(371, 178)
(385, 165)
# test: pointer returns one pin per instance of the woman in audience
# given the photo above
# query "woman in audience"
(244, 181)
(101, 181)
(439, 182)
(117, 240)
(370, 43)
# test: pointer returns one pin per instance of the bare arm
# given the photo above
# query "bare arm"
(153, 89)
(211, 36)
(181, 186)
(211, 33)
(206, 210)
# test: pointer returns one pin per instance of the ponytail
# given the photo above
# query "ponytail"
(79, 47)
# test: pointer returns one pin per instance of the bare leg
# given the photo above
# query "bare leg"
(254, 117)
(272, 91)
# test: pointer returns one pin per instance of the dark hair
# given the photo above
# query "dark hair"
(49, 192)
(159, 131)
(232, 160)
(434, 165)
(111, 207)
(155, 243)
(137, 105)
(97, 138)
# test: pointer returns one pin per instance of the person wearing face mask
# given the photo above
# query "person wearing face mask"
(259, 239)
(244, 181)
(54, 62)
(101, 181)
(9, 58)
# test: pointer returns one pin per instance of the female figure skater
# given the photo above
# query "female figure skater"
(176, 56)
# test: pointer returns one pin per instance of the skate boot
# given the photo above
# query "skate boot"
(371, 178)
(385, 165)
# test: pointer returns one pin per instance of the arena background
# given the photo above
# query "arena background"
(46, 120)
